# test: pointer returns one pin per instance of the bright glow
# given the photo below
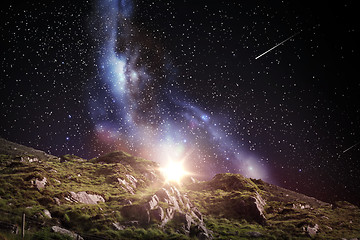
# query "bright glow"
(173, 172)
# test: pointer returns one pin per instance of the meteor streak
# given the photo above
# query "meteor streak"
(351, 147)
(277, 45)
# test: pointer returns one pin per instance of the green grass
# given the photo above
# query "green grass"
(216, 199)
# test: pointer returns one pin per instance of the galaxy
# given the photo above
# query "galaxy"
(268, 90)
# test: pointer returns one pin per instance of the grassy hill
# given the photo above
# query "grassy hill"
(118, 196)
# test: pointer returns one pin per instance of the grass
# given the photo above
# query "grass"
(217, 200)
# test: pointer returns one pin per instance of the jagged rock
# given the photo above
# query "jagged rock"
(57, 201)
(132, 180)
(157, 214)
(153, 202)
(66, 232)
(162, 194)
(84, 197)
(190, 226)
(257, 210)
(183, 219)
(311, 231)
(127, 186)
(47, 213)
(250, 208)
(195, 212)
(40, 184)
(117, 226)
(136, 212)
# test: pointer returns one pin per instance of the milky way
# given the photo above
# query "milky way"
(142, 108)
(179, 79)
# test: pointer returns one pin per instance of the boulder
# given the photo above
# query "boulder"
(117, 226)
(157, 214)
(250, 208)
(153, 202)
(40, 184)
(66, 232)
(311, 231)
(47, 213)
(84, 197)
(136, 212)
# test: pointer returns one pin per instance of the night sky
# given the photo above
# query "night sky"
(186, 80)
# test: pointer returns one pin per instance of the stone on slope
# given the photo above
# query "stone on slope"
(66, 232)
(84, 197)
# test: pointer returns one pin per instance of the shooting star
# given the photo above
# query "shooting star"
(351, 147)
(277, 45)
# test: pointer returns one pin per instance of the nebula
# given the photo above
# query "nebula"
(136, 101)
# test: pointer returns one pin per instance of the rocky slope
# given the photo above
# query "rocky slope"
(118, 196)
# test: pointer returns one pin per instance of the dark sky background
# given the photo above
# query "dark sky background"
(295, 110)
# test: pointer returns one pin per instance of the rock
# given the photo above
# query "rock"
(127, 186)
(157, 214)
(196, 213)
(250, 208)
(136, 212)
(163, 194)
(40, 184)
(153, 202)
(311, 231)
(132, 180)
(117, 226)
(84, 197)
(66, 232)
(47, 213)
(57, 201)
(126, 202)
(183, 219)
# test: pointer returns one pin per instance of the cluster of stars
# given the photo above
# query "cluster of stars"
(151, 77)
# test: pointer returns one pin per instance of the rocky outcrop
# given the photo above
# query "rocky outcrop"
(126, 186)
(129, 185)
(311, 231)
(178, 208)
(259, 212)
(84, 197)
(66, 232)
(40, 184)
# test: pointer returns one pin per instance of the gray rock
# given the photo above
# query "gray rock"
(153, 202)
(47, 213)
(117, 226)
(84, 197)
(132, 180)
(126, 185)
(66, 232)
(40, 184)
(157, 214)
(136, 212)
(311, 231)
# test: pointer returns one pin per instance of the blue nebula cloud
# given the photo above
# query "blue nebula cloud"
(136, 102)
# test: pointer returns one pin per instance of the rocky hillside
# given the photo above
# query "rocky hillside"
(118, 196)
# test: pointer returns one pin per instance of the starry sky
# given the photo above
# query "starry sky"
(188, 80)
